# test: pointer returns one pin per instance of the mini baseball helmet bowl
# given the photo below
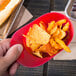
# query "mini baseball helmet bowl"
(27, 58)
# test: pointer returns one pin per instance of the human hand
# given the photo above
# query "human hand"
(8, 57)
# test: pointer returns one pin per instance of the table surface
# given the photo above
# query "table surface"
(53, 67)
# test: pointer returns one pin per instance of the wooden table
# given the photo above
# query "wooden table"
(53, 67)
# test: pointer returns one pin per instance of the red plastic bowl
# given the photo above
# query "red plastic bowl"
(26, 58)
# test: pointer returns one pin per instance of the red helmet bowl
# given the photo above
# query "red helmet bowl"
(26, 58)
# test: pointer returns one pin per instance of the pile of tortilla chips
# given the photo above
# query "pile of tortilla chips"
(47, 40)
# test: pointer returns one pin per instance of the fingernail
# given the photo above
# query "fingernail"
(20, 48)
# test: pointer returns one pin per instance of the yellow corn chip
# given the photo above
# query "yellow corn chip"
(61, 35)
(50, 25)
(53, 30)
(54, 44)
(60, 22)
(29, 41)
(34, 46)
(46, 49)
(56, 33)
(63, 45)
(37, 53)
(38, 35)
(66, 27)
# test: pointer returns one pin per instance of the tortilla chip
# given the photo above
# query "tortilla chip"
(63, 45)
(66, 27)
(45, 49)
(54, 44)
(37, 53)
(56, 33)
(61, 35)
(34, 46)
(60, 22)
(38, 35)
(50, 26)
(54, 29)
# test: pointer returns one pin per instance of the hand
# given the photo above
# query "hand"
(8, 57)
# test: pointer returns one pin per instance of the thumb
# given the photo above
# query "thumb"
(12, 54)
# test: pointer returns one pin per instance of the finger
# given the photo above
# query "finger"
(12, 54)
(4, 46)
(13, 69)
